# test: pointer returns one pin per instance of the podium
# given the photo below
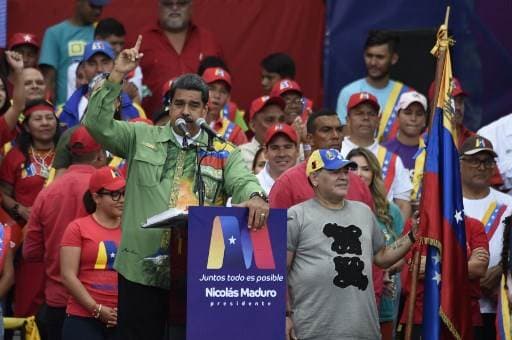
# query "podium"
(177, 221)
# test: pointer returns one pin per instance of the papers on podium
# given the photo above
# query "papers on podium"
(171, 218)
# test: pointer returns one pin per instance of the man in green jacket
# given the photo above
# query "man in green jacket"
(161, 175)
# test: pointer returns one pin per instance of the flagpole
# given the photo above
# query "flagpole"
(441, 56)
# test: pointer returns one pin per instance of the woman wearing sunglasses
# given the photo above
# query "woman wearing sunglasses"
(88, 250)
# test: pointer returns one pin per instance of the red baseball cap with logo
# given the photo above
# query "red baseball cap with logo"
(281, 128)
(23, 39)
(457, 89)
(213, 74)
(260, 103)
(81, 142)
(285, 85)
(106, 178)
(362, 97)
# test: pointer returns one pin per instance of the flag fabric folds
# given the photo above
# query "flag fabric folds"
(446, 301)
(503, 313)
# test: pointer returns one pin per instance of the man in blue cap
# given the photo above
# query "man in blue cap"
(98, 59)
(332, 244)
(64, 43)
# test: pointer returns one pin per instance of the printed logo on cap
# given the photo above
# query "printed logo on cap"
(479, 143)
(284, 85)
(330, 155)
(27, 38)
(97, 45)
(219, 72)
(364, 95)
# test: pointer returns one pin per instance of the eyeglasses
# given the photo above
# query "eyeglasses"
(115, 195)
(473, 162)
(179, 3)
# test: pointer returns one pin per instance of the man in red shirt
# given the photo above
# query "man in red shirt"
(292, 187)
(172, 47)
(54, 208)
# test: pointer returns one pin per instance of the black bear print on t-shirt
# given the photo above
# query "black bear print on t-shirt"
(350, 269)
(346, 239)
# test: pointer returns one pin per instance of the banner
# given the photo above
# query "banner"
(236, 282)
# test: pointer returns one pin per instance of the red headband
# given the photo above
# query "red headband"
(38, 107)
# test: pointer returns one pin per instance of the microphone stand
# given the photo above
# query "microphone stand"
(199, 176)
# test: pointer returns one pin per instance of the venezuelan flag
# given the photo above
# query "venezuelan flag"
(107, 251)
(446, 303)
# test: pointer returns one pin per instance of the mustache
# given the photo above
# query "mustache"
(188, 119)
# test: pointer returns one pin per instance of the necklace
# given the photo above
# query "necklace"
(44, 170)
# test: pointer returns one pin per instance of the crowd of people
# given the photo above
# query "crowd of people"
(97, 137)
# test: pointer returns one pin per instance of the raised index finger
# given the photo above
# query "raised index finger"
(138, 43)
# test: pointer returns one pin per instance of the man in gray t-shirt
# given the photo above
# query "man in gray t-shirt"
(332, 244)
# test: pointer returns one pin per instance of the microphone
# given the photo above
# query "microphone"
(181, 124)
(201, 122)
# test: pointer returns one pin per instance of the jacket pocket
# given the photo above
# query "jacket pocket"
(148, 164)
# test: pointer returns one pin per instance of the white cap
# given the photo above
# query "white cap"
(410, 97)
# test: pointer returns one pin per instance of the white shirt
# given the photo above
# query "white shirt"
(248, 151)
(266, 181)
(179, 138)
(499, 133)
(401, 185)
(82, 106)
(476, 208)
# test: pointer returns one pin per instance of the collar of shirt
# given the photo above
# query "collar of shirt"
(179, 138)
(266, 181)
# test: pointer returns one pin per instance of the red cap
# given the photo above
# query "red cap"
(214, 74)
(284, 86)
(166, 87)
(260, 103)
(457, 89)
(81, 142)
(106, 178)
(22, 39)
(281, 128)
(362, 97)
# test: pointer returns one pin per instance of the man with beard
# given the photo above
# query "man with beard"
(172, 47)
(162, 173)
(380, 54)
(65, 42)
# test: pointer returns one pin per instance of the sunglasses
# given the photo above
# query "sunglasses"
(115, 195)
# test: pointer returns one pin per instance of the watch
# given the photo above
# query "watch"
(260, 195)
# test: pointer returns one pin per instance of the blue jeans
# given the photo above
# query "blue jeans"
(83, 328)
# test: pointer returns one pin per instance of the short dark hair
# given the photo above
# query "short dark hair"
(381, 37)
(107, 27)
(280, 63)
(211, 61)
(310, 125)
(190, 81)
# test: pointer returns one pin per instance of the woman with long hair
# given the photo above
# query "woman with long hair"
(88, 250)
(27, 165)
(391, 223)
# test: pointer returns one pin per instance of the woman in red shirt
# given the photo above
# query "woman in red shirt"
(26, 167)
(88, 250)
